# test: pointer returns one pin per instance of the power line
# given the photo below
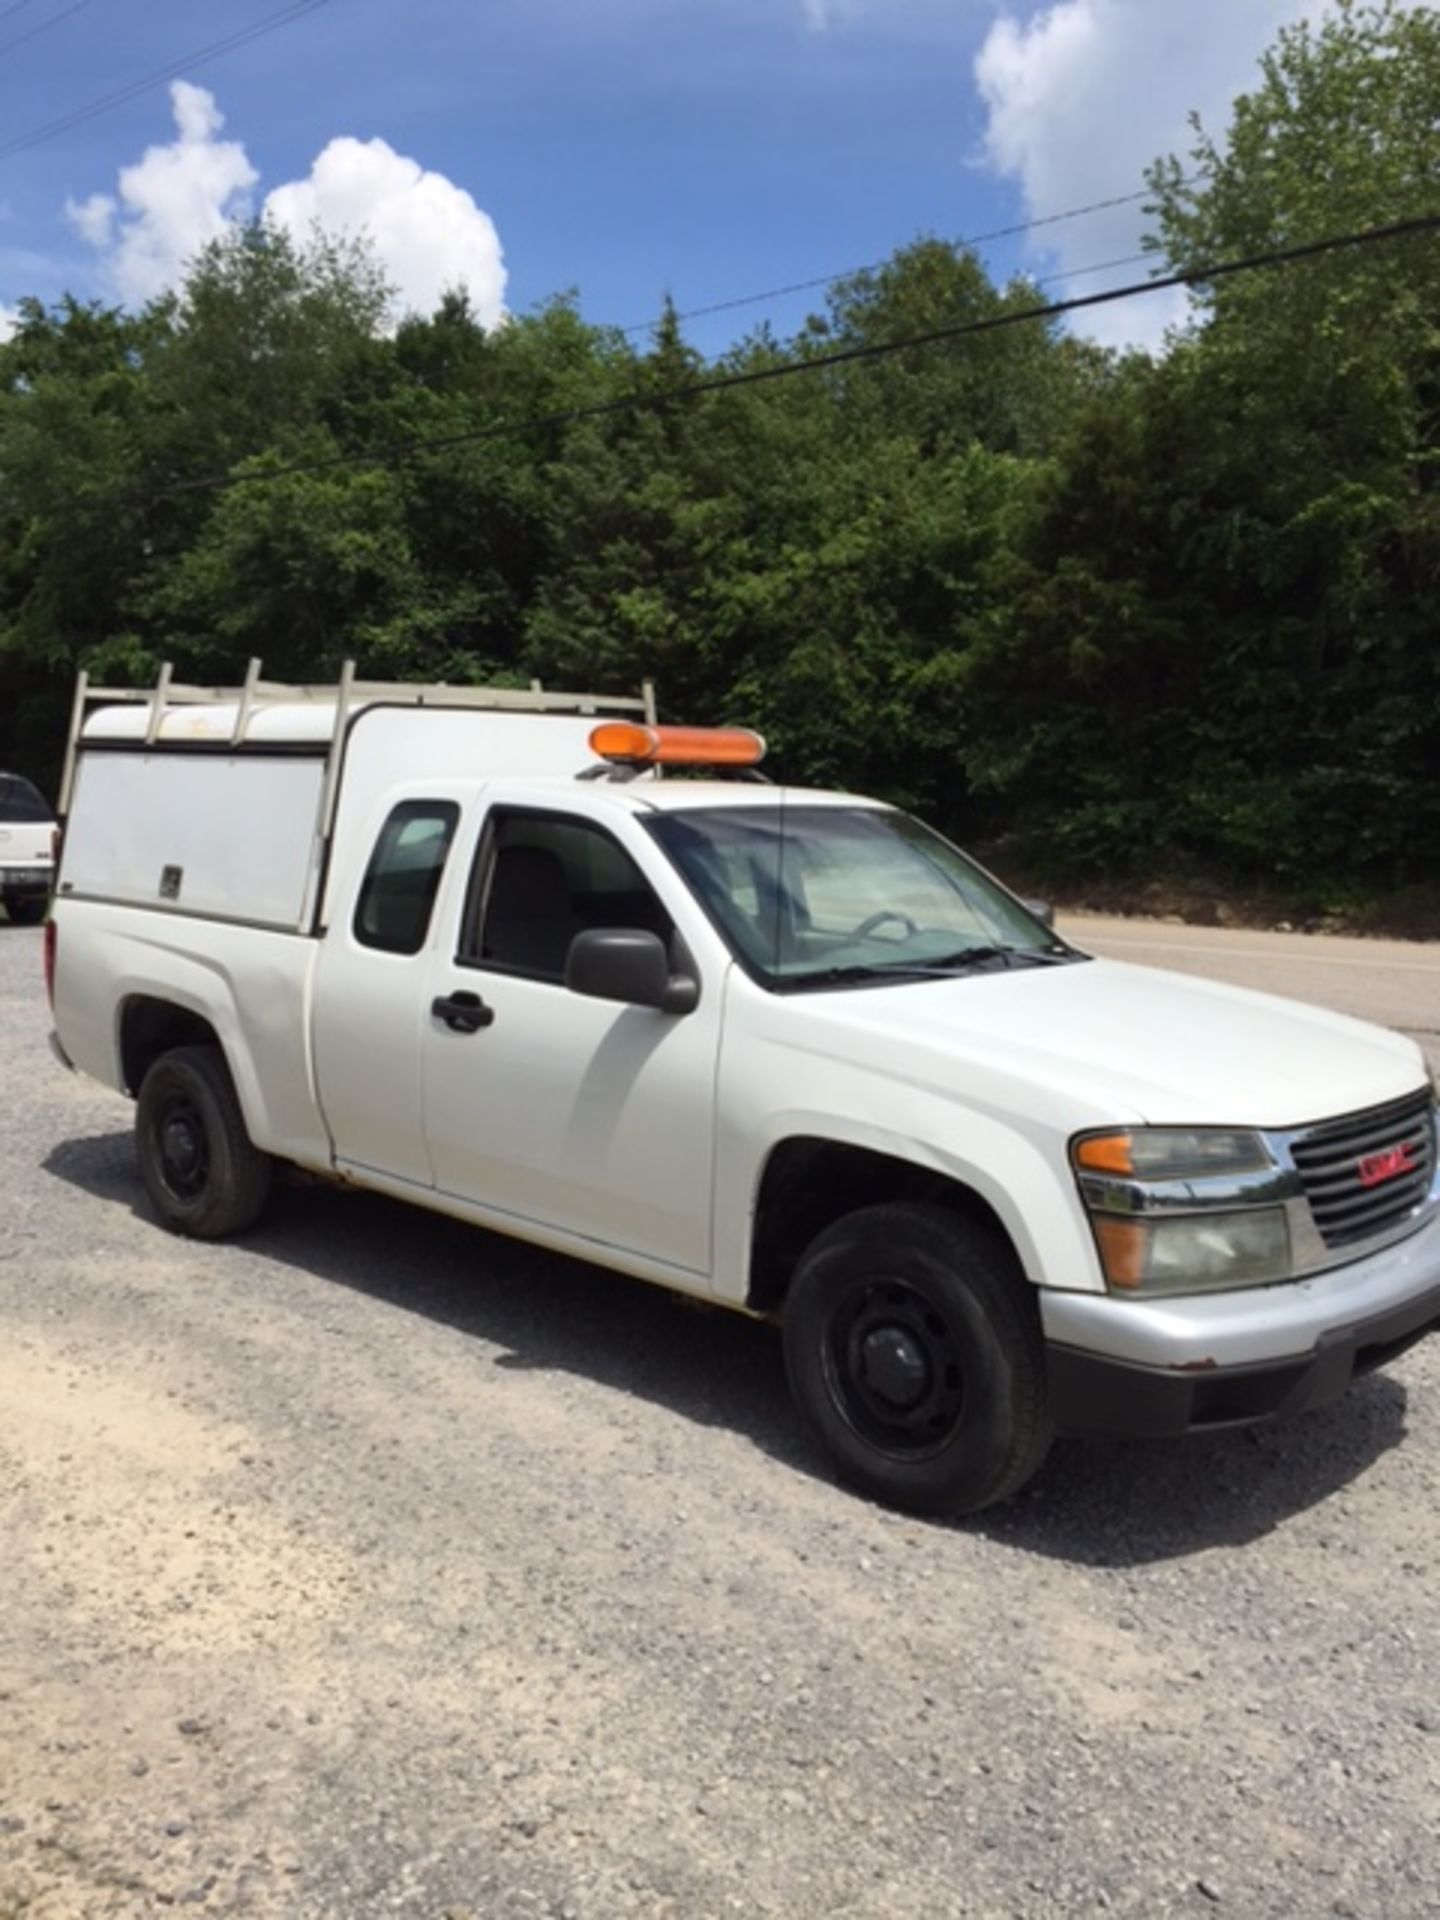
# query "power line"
(33, 33)
(874, 266)
(243, 37)
(846, 356)
(1100, 266)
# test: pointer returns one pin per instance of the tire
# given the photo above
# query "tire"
(913, 1346)
(26, 909)
(204, 1177)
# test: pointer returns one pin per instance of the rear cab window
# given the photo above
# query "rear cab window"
(21, 803)
(397, 895)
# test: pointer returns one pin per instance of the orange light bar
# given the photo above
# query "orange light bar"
(677, 746)
(1105, 1153)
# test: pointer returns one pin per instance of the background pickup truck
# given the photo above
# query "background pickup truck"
(788, 1051)
(27, 860)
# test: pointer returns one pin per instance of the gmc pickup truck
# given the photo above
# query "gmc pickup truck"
(534, 961)
(27, 831)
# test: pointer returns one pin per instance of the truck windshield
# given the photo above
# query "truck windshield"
(809, 897)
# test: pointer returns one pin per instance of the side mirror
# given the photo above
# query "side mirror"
(1042, 910)
(628, 964)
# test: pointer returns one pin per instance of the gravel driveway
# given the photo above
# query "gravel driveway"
(377, 1566)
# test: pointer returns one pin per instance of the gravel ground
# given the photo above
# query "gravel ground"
(377, 1566)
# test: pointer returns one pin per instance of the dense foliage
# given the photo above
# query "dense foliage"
(1134, 611)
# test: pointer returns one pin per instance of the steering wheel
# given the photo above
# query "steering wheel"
(875, 920)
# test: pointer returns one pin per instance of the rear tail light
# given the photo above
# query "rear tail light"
(50, 942)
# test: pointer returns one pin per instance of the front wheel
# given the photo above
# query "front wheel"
(203, 1175)
(25, 909)
(913, 1348)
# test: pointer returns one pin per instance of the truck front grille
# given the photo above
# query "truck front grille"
(1367, 1172)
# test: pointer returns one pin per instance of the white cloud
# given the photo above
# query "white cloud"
(93, 219)
(428, 234)
(9, 320)
(171, 202)
(1086, 93)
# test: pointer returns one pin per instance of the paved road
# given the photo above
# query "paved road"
(378, 1567)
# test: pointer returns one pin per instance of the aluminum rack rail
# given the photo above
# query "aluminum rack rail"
(344, 696)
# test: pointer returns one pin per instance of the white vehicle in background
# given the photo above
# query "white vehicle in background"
(786, 1051)
(27, 859)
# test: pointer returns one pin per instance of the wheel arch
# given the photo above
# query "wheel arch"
(151, 1020)
(808, 1181)
(149, 1025)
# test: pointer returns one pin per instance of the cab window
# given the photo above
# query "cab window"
(540, 879)
(398, 892)
(20, 802)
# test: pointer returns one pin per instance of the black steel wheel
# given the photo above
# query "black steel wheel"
(182, 1146)
(204, 1176)
(894, 1366)
(913, 1345)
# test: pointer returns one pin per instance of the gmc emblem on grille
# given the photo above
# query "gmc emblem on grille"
(1388, 1164)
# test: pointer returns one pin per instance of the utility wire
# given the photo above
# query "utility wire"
(33, 33)
(243, 37)
(1079, 273)
(402, 450)
(874, 266)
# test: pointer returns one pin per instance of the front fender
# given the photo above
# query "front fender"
(1033, 1198)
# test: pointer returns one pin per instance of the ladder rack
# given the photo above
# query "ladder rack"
(345, 696)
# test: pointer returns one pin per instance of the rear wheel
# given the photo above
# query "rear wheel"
(26, 909)
(202, 1173)
(913, 1347)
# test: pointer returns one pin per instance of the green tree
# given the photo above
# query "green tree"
(1219, 606)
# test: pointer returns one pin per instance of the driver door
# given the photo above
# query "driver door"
(549, 1107)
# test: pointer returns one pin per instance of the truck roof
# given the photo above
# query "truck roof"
(678, 796)
(312, 722)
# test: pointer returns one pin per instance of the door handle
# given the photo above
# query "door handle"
(462, 1012)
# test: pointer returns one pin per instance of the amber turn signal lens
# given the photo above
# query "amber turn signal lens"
(677, 746)
(1105, 1153)
(1122, 1250)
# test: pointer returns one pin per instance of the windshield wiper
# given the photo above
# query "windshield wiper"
(945, 968)
(972, 957)
(881, 970)
(1042, 956)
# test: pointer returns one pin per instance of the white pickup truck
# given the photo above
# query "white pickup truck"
(27, 833)
(787, 1051)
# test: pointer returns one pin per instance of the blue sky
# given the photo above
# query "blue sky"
(622, 147)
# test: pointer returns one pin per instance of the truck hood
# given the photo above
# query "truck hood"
(1123, 1042)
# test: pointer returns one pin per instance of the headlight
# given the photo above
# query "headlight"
(1172, 1153)
(1194, 1253)
(1185, 1209)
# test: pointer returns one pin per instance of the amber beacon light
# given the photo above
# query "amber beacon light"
(639, 746)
